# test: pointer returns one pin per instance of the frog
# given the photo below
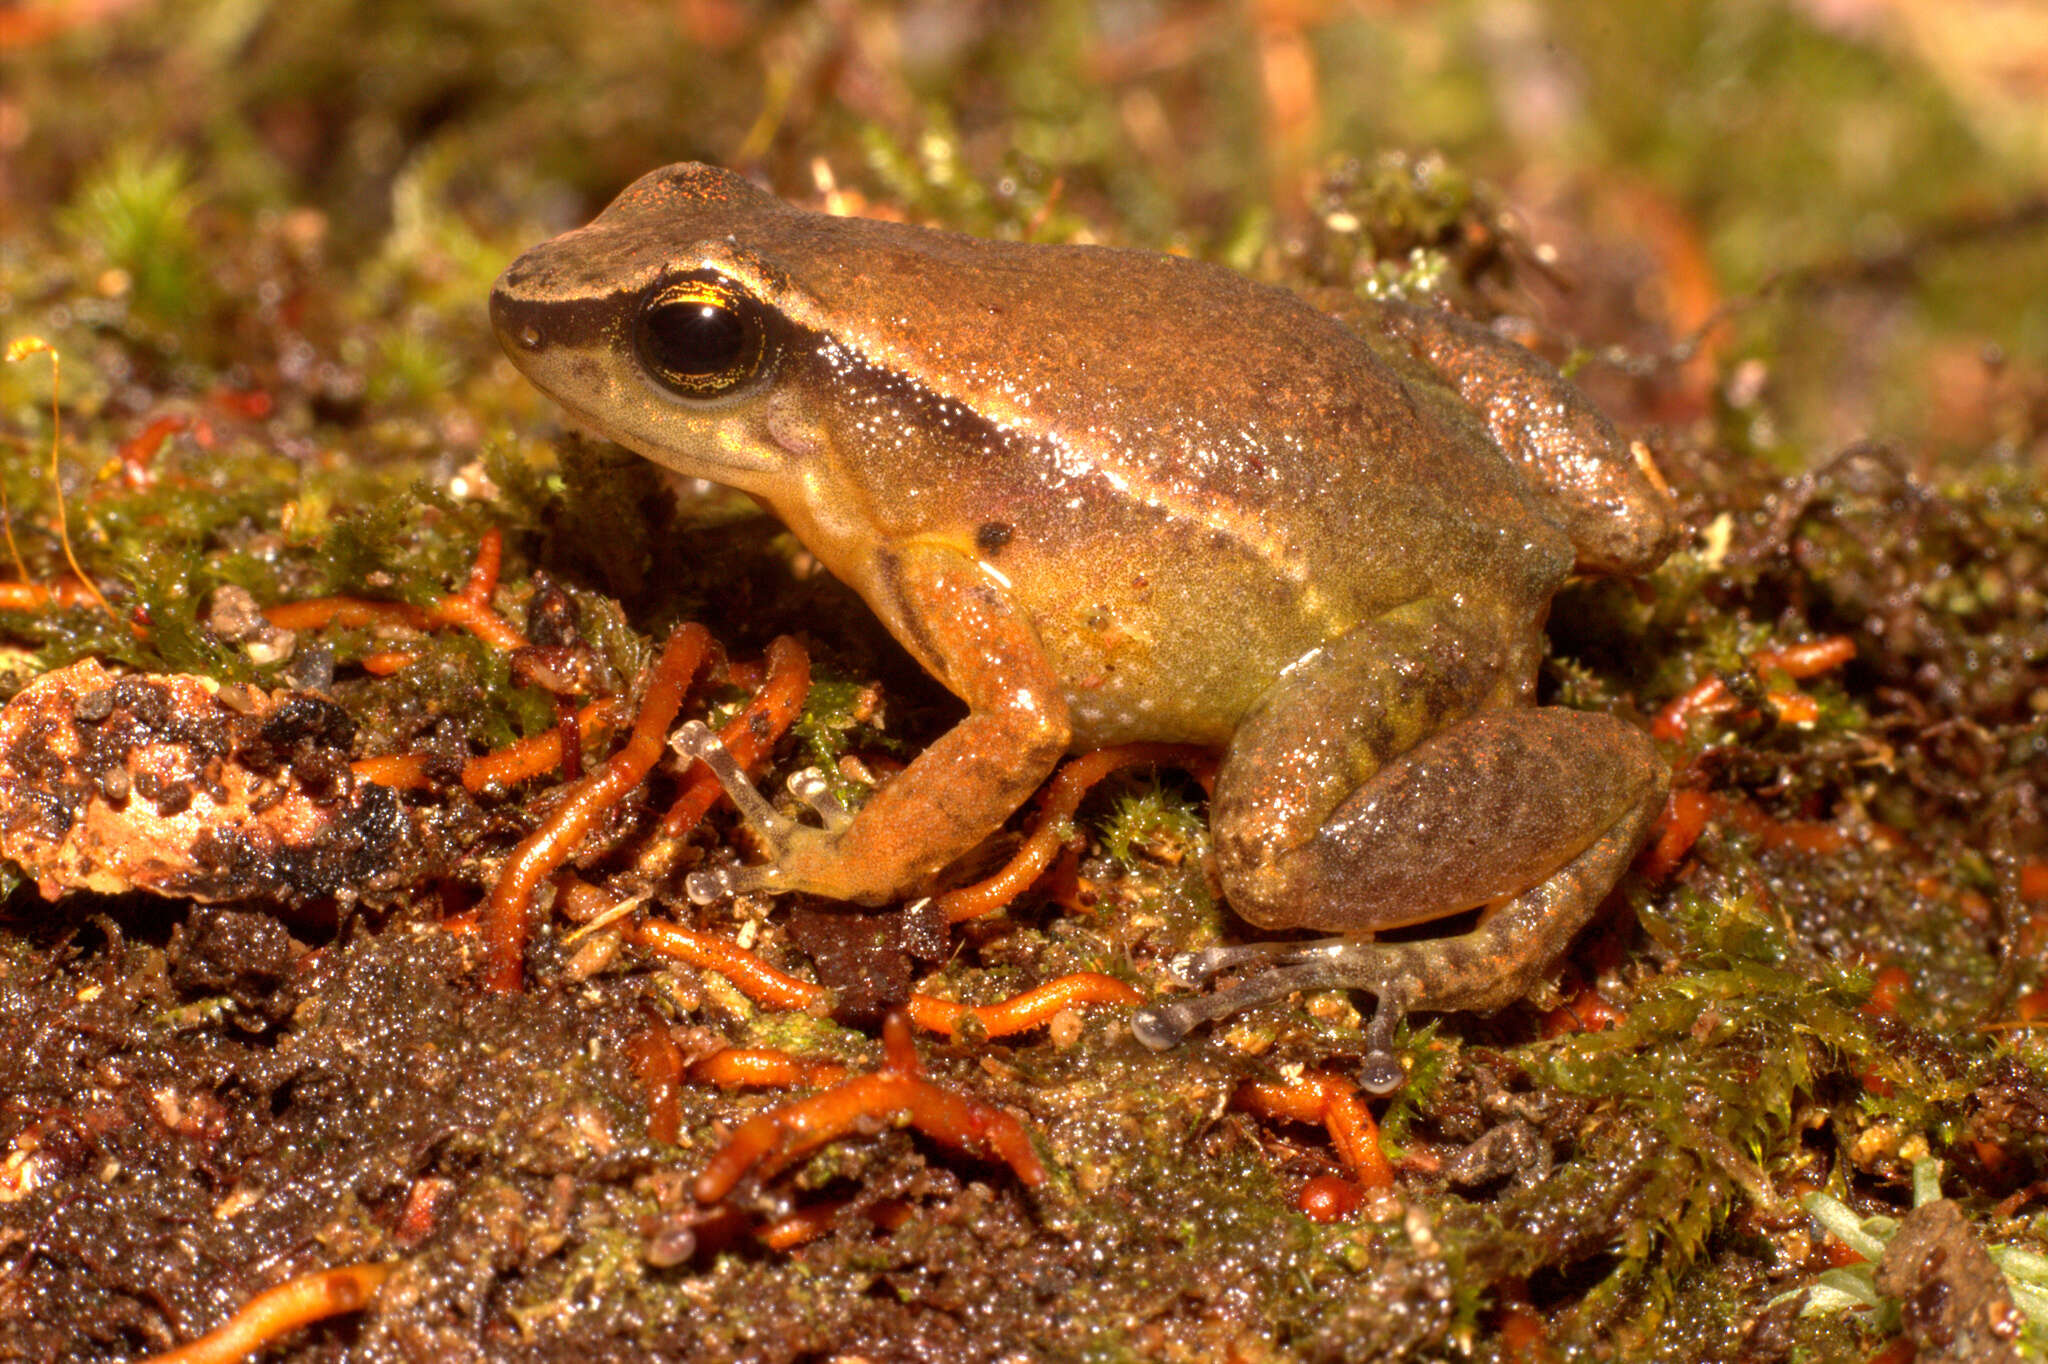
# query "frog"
(1106, 495)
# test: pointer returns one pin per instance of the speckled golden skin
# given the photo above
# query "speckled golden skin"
(1109, 495)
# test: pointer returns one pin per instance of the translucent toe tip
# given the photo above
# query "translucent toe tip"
(695, 740)
(1158, 1028)
(810, 787)
(707, 887)
(1381, 1073)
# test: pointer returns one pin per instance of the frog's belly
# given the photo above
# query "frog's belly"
(1173, 629)
(1135, 675)
(1108, 713)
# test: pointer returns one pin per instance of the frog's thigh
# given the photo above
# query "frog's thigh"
(1390, 780)
(1480, 812)
(1322, 732)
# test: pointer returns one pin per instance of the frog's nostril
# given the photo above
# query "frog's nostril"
(505, 307)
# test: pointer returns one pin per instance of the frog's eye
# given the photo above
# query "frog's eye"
(700, 338)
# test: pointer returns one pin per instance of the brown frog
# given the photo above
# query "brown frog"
(1106, 495)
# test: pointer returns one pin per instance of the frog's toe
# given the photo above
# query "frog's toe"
(1332, 964)
(1165, 1025)
(695, 740)
(810, 787)
(713, 884)
(1381, 1071)
(791, 845)
(1195, 969)
(1160, 1026)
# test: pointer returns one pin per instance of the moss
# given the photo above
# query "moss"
(1156, 822)
(135, 211)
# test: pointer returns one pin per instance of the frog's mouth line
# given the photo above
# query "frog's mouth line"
(579, 415)
(718, 462)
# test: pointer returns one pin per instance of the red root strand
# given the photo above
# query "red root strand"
(748, 736)
(658, 1065)
(1321, 1097)
(754, 978)
(898, 1092)
(507, 912)
(765, 1068)
(469, 609)
(1024, 1011)
(1061, 798)
(270, 1316)
(1712, 697)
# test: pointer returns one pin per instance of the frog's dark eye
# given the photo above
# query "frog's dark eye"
(700, 338)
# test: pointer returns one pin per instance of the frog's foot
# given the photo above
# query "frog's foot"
(1335, 963)
(792, 845)
(1488, 968)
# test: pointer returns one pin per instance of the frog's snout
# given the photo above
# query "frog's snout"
(516, 330)
(537, 310)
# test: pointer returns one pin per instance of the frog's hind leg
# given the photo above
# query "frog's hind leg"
(1487, 968)
(1385, 782)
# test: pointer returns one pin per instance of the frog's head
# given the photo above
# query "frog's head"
(655, 326)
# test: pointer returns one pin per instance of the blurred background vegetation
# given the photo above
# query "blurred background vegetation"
(1856, 191)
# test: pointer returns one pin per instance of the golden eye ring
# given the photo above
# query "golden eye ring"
(700, 337)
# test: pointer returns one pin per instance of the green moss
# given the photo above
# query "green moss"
(1154, 820)
(135, 211)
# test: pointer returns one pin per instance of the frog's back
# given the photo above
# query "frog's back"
(1163, 458)
(1207, 481)
(1180, 390)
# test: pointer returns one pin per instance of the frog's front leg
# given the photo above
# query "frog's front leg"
(1388, 780)
(960, 789)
